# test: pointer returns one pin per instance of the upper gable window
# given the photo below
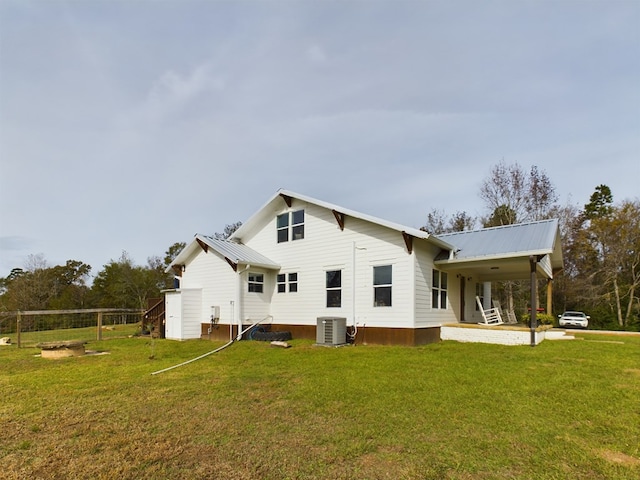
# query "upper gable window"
(282, 224)
(290, 225)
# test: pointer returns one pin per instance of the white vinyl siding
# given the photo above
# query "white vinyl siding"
(425, 316)
(257, 305)
(183, 314)
(218, 282)
(326, 247)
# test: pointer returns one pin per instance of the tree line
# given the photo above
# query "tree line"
(600, 241)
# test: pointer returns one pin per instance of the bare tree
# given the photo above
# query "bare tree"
(512, 195)
(438, 222)
(228, 231)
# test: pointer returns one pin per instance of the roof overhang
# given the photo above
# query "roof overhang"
(500, 268)
(233, 253)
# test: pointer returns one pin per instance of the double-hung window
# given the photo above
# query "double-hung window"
(439, 290)
(382, 280)
(282, 225)
(256, 282)
(334, 288)
(282, 279)
(293, 282)
(290, 225)
(297, 225)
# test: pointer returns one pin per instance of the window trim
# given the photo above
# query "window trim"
(295, 227)
(382, 286)
(285, 282)
(439, 290)
(332, 289)
(291, 231)
(284, 228)
(292, 282)
(257, 282)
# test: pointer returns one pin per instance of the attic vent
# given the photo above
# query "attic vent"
(331, 331)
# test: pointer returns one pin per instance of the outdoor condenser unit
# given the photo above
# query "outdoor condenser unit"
(331, 331)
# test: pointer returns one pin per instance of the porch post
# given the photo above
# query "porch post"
(486, 301)
(533, 320)
(549, 296)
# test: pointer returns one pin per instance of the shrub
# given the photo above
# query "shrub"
(543, 319)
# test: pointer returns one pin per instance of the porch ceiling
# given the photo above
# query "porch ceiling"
(496, 269)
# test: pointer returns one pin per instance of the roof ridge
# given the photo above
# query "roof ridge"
(498, 227)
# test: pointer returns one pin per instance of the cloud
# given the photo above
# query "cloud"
(173, 90)
(15, 242)
(316, 54)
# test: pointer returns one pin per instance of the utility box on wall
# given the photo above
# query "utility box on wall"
(331, 331)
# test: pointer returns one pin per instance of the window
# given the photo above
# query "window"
(282, 282)
(256, 282)
(297, 225)
(334, 288)
(382, 286)
(282, 224)
(293, 282)
(293, 221)
(439, 290)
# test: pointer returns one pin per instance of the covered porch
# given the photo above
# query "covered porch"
(529, 252)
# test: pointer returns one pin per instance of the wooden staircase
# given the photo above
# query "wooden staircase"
(155, 316)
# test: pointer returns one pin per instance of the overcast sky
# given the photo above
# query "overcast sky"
(132, 125)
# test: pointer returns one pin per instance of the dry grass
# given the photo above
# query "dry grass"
(454, 411)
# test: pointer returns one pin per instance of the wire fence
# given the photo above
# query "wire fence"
(29, 328)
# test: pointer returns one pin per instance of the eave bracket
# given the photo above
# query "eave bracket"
(339, 218)
(203, 245)
(287, 199)
(408, 241)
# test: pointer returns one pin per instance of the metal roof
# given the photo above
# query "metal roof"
(232, 251)
(503, 253)
(238, 253)
(534, 238)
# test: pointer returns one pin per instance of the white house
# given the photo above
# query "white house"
(299, 263)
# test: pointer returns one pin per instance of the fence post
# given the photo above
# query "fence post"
(99, 326)
(18, 319)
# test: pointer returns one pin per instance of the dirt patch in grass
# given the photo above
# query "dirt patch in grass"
(619, 457)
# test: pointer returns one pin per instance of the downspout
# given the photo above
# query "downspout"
(353, 288)
(353, 285)
(238, 310)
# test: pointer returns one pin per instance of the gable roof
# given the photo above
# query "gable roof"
(274, 205)
(534, 238)
(506, 243)
(234, 253)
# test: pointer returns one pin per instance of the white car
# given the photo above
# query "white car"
(574, 319)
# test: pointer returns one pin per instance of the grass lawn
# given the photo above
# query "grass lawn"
(564, 409)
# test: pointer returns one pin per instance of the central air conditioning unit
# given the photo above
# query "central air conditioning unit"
(331, 331)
